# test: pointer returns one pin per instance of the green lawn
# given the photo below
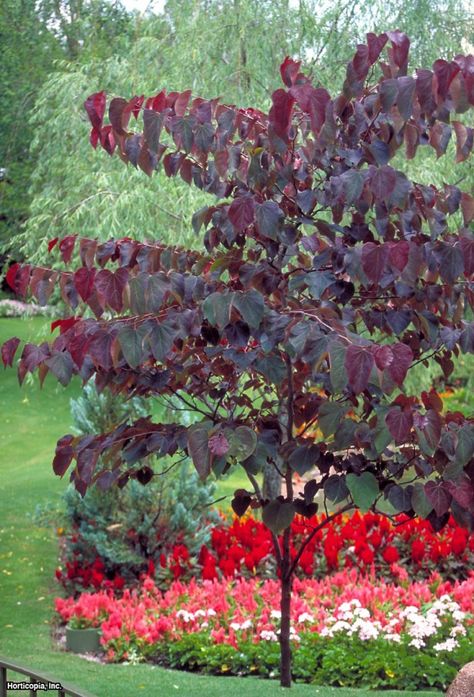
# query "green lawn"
(32, 420)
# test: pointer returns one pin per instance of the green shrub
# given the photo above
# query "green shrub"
(339, 661)
(118, 532)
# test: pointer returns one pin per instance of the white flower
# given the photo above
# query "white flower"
(458, 629)
(448, 645)
(345, 615)
(458, 615)
(305, 617)
(268, 635)
(185, 615)
(345, 607)
(340, 626)
(211, 613)
(409, 610)
(276, 614)
(367, 632)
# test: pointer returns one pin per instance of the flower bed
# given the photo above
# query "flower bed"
(369, 543)
(10, 307)
(346, 629)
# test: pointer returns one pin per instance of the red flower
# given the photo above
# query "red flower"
(250, 561)
(417, 550)
(390, 554)
(227, 566)
(98, 564)
(435, 552)
(366, 556)
(209, 572)
(118, 582)
(332, 556)
(204, 554)
(306, 562)
(459, 542)
(97, 578)
(235, 553)
(180, 552)
(375, 539)
(177, 571)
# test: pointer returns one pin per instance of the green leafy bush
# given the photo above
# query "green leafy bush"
(339, 661)
(115, 534)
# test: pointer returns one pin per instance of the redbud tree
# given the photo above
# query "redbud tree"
(325, 276)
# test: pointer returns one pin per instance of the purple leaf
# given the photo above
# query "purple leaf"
(359, 363)
(399, 253)
(406, 92)
(242, 212)
(438, 495)
(111, 286)
(218, 444)
(280, 113)
(289, 70)
(402, 359)
(399, 50)
(399, 422)
(63, 456)
(382, 182)
(8, 351)
(374, 260)
(95, 107)
(462, 491)
(375, 44)
(383, 357)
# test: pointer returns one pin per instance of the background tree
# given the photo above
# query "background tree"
(86, 28)
(28, 50)
(39, 39)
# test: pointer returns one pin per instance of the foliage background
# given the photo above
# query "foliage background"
(61, 51)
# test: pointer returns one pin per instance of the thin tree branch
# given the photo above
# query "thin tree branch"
(426, 358)
(191, 405)
(315, 530)
(75, 207)
(290, 400)
(222, 498)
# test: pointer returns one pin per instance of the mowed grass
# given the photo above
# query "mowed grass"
(31, 421)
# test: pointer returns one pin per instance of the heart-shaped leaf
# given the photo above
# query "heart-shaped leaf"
(278, 515)
(364, 489)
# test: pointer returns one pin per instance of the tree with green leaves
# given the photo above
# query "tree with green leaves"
(28, 50)
(326, 276)
(40, 38)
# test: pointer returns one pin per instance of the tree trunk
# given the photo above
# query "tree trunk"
(285, 608)
(271, 484)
